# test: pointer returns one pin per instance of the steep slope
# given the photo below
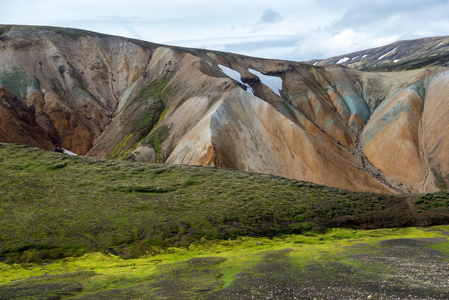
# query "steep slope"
(402, 55)
(113, 97)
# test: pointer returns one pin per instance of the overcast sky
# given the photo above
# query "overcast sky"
(286, 29)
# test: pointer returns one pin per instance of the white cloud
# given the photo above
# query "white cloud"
(293, 29)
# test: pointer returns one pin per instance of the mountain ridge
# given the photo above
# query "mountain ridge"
(400, 55)
(113, 97)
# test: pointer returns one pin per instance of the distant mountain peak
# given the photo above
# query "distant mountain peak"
(402, 55)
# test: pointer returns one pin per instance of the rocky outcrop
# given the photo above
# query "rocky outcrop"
(19, 123)
(113, 97)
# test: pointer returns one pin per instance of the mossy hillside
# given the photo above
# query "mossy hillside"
(156, 138)
(54, 205)
(157, 89)
(146, 116)
(214, 269)
(147, 110)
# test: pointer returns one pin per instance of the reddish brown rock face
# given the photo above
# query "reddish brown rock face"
(18, 123)
(118, 98)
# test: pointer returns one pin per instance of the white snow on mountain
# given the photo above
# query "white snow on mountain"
(273, 82)
(233, 74)
(387, 53)
(345, 59)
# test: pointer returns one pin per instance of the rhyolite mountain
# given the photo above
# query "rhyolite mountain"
(113, 97)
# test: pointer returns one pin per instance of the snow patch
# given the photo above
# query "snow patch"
(438, 45)
(69, 152)
(315, 63)
(354, 57)
(273, 82)
(387, 53)
(364, 55)
(233, 74)
(345, 59)
(396, 60)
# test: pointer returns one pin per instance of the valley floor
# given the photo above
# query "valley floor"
(408, 263)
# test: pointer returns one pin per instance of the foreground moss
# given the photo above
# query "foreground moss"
(214, 270)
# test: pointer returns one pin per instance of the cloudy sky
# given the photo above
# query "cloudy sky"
(286, 29)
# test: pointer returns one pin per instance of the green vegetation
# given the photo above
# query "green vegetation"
(156, 90)
(153, 112)
(440, 182)
(148, 107)
(122, 146)
(3, 29)
(438, 200)
(156, 138)
(148, 110)
(54, 206)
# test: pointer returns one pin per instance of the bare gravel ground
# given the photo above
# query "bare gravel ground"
(396, 269)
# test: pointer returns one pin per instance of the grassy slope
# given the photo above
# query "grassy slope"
(54, 205)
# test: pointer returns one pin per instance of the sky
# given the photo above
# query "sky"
(296, 30)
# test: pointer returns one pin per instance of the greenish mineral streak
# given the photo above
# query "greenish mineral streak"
(146, 138)
(156, 138)
(17, 82)
(440, 181)
(121, 147)
(152, 97)
(156, 90)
